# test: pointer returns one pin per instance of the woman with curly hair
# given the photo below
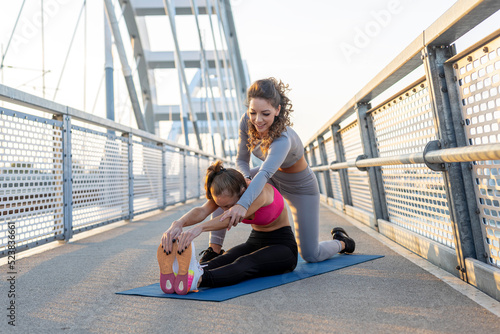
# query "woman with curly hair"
(265, 131)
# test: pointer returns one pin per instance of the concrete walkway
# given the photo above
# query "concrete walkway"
(71, 289)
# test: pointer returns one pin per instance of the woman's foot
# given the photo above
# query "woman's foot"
(168, 268)
(209, 254)
(340, 234)
(189, 271)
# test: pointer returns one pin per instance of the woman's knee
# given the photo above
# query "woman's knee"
(309, 255)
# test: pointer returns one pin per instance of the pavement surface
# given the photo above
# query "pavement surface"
(71, 289)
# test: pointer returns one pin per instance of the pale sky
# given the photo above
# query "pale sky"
(313, 46)
(326, 50)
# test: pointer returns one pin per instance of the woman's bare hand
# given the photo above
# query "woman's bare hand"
(186, 237)
(170, 235)
(236, 213)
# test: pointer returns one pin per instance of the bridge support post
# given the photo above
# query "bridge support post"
(198, 158)
(184, 176)
(374, 173)
(67, 178)
(313, 162)
(466, 167)
(179, 63)
(339, 154)
(434, 58)
(225, 16)
(324, 161)
(164, 175)
(130, 176)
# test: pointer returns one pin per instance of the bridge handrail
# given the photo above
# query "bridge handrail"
(458, 154)
(423, 166)
(72, 173)
(18, 97)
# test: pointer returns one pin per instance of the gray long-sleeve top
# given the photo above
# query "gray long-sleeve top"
(283, 152)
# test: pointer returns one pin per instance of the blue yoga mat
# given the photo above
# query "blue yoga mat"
(303, 270)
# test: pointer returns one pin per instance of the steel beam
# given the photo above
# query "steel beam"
(237, 111)
(339, 153)
(130, 153)
(225, 17)
(136, 28)
(166, 59)
(478, 152)
(155, 7)
(208, 82)
(313, 162)
(220, 82)
(368, 141)
(434, 58)
(67, 178)
(324, 161)
(163, 175)
(108, 68)
(127, 71)
(180, 66)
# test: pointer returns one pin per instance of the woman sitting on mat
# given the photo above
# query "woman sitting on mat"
(270, 249)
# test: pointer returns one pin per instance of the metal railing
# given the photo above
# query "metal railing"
(76, 171)
(424, 170)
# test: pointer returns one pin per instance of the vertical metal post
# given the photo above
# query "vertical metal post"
(235, 112)
(67, 178)
(306, 156)
(434, 58)
(209, 115)
(324, 161)
(179, 63)
(127, 71)
(130, 176)
(184, 170)
(108, 68)
(339, 153)
(199, 176)
(469, 186)
(374, 173)
(205, 74)
(183, 114)
(312, 159)
(220, 81)
(225, 15)
(163, 174)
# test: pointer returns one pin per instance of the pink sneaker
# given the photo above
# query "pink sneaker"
(189, 271)
(168, 268)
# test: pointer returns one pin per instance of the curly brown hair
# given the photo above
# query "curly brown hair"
(274, 92)
(220, 179)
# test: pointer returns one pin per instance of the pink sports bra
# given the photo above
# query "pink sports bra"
(269, 213)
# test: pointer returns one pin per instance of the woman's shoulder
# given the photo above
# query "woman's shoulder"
(244, 122)
(267, 194)
(291, 136)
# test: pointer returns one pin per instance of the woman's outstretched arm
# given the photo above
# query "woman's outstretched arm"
(186, 237)
(277, 153)
(193, 216)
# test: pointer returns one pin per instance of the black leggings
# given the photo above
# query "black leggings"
(263, 254)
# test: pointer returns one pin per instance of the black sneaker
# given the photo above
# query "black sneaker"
(340, 234)
(209, 254)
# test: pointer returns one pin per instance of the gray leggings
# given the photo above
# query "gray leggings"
(301, 192)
